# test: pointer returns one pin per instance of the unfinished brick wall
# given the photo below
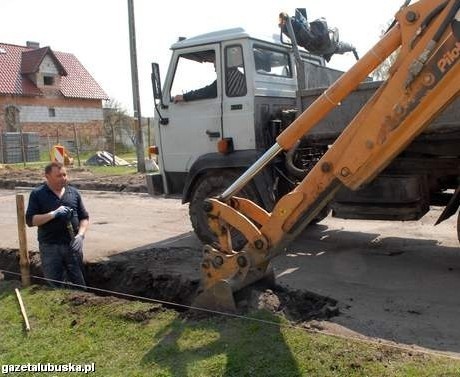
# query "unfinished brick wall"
(90, 131)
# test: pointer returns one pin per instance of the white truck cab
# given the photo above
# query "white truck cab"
(220, 93)
(193, 128)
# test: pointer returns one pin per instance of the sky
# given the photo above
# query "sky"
(96, 31)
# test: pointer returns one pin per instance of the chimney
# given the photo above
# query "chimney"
(32, 44)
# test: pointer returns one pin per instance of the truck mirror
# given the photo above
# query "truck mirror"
(156, 83)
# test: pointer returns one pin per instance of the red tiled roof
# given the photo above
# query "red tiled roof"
(11, 81)
(78, 83)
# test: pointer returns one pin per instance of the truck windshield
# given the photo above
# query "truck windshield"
(272, 62)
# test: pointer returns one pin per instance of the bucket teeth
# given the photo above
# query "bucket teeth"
(219, 297)
(224, 274)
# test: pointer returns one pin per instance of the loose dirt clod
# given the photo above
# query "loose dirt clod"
(143, 315)
(297, 306)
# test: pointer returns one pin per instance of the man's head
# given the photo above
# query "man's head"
(56, 175)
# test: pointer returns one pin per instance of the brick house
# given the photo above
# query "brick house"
(49, 92)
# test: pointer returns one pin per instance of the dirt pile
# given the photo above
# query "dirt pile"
(81, 178)
(297, 306)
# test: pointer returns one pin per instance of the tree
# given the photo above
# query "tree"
(383, 70)
(116, 123)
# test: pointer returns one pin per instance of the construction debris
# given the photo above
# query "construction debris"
(104, 158)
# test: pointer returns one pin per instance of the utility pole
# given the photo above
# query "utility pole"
(135, 84)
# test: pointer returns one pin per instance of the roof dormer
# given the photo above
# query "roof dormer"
(42, 67)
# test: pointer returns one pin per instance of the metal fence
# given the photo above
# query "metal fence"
(16, 147)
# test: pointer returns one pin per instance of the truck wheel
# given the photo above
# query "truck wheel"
(208, 186)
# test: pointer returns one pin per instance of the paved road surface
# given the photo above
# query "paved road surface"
(119, 222)
(394, 280)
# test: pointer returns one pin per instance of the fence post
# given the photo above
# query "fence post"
(77, 144)
(49, 147)
(24, 261)
(1, 146)
(23, 150)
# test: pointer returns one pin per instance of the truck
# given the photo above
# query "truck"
(295, 122)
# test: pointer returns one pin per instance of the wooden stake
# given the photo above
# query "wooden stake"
(23, 309)
(24, 261)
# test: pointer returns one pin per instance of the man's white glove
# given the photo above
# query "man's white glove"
(62, 211)
(77, 243)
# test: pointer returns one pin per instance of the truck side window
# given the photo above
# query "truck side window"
(195, 77)
(235, 77)
(272, 62)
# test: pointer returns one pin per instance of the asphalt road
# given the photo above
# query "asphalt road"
(396, 281)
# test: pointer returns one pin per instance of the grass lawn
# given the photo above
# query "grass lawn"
(112, 170)
(126, 338)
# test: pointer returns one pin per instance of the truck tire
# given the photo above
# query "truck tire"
(210, 185)
(308, 158)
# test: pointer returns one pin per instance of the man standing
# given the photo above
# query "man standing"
(62, 220)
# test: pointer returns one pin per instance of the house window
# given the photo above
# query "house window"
(52, 112)
(48, 80)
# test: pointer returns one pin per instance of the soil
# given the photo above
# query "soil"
(81, 178)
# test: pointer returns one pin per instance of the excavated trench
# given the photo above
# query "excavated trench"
(167, 274)
(172, 275)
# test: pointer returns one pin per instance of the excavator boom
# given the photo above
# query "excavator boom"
(424, 79)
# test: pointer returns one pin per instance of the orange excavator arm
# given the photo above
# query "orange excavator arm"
(424, 79)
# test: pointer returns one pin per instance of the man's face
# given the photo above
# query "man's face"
(57, 178)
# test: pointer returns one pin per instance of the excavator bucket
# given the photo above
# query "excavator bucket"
(217, 298)
(223, 275)
(220, 297)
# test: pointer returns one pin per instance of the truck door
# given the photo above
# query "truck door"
(238, 112)
(193, 99)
